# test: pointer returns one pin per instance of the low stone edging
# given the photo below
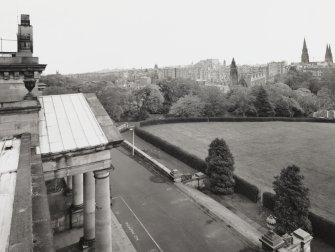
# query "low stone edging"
(160, 167)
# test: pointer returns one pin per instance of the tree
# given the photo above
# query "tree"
(325, 99)
(262, 104)
(188, 106)
(307, 100)
(145, 101)
(174, 89)
(291, 201)
(282, 107)
(220, 167)
(215, 101)
(241, 101)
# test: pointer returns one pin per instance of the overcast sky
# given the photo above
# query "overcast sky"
(84, 35)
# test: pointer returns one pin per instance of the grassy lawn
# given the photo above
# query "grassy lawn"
(262, 149)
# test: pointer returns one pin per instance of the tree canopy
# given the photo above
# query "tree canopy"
(220, 167)
(291, 201)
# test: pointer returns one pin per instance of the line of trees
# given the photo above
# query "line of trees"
(293, 94)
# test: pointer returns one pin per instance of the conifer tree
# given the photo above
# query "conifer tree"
(262, 103)
(220, 167)
(291, 201)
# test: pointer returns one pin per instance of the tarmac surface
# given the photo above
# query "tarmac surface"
(157, 216)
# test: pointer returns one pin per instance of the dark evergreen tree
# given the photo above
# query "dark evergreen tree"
(220, 167)
(291, 201)
(262, 103)
(233, 73)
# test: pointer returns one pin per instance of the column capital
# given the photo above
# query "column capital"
(101, 174)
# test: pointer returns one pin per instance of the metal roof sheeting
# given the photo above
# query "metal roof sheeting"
(66, 122)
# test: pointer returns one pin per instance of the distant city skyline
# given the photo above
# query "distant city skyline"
(85, 36)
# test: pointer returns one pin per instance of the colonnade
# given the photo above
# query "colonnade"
(90, 192)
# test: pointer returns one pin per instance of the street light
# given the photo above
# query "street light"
(133, 130)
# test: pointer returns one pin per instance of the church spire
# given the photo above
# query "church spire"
(329, 56)
(233, 73)
(304, 55)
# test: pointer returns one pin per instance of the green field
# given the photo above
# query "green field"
(262, 149)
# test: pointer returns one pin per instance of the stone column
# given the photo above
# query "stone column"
(103, 228)
(69, 182)
(89, 211)
(77, 188)
(77, 201)
(68, 188)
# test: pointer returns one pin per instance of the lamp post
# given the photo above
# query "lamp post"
(133, 130)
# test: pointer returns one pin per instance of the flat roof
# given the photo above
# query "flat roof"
(67, 123)
(9, 160)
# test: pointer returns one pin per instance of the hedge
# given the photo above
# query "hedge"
(242, 186)
(322, 227)
(175, 151)
(232, 119)
(269, 200)
(247, 189)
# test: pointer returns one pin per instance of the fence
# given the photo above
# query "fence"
(326, 114)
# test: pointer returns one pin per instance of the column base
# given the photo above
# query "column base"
(85, 244)
(67, 191)
(76, 216)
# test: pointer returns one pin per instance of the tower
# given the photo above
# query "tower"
(233, 73)
(304, 55)
(25, 37)
(329, 56)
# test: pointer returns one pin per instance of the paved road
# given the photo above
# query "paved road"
(158, 217)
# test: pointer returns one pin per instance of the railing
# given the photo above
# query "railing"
(123, 127)
(327, 114)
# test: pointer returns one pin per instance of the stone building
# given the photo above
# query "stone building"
(298, 241)
(304, 54)
(329, 55)
(233, 73)
(50, 137)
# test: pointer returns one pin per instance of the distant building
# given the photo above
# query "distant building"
(233, 73)
(275, 68)
(255, 78)
(329, 55)
(304, 55)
